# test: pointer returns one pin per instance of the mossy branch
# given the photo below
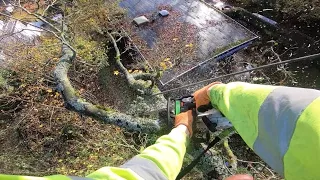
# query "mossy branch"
(232, 157)
(75, 103)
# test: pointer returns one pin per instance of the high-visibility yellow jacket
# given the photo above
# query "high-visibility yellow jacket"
(281, 124)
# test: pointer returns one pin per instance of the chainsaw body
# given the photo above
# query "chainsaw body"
(212, 118)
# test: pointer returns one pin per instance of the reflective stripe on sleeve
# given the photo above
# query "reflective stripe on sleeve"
(278, 116)
(145, 168)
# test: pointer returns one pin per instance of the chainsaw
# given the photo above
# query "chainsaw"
(212, 118)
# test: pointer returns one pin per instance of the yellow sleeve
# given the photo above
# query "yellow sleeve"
(240, 103)
(281, 124)
(168, 152)
(162, 160)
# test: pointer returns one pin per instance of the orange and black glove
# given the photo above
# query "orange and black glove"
(202, 98)
(185, 118)
(240, 177)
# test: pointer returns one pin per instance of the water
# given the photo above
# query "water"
(213, 31)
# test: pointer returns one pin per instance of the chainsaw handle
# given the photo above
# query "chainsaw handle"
(204, 108)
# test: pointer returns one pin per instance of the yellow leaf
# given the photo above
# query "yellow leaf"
(116, 73)
(136, 71)
(189, 45)
(163, 65)
(49, 90)
(140, 71)
(68, 152)
(175, 39)
(166, 59)
(60, 160)
(89, 166)
(41, 126)
(130, 70)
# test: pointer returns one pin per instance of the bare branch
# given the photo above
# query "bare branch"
(50, 5)
(37, 16)
(13, 33)
(261, 164)
(132, 79)
(61, 38)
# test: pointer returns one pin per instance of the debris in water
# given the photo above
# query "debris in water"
(164, 13)
(140, 20)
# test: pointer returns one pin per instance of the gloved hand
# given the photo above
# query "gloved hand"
(186, 119)
(240, 177)
(202, 98)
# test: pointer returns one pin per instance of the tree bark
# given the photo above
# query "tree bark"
(75, 103)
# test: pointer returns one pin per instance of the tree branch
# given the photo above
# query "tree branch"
(37, 16)
(47, 30)
(50, 5)
(75, 103)
(232, 157)
(132, 79)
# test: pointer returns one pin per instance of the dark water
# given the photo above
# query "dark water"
(294, 39)
(214, 31)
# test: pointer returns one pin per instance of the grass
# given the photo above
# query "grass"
(80, 154)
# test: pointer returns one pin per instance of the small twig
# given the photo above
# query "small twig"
(253, 162)
(51, 117)
(288, 50)
(52, 3)
(85, 63)
(119, 39)
(23, 118)
(278, 57)
(13, 33)
(268, 79)
(256, 171)
(128, 145)
(126, 50)
(20, 99)
(37, 16)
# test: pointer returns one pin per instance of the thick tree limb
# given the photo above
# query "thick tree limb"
(73, 102)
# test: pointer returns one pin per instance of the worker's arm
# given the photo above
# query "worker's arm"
(163, 160)
(281, 124)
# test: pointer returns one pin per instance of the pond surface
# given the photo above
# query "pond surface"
(214, 30)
